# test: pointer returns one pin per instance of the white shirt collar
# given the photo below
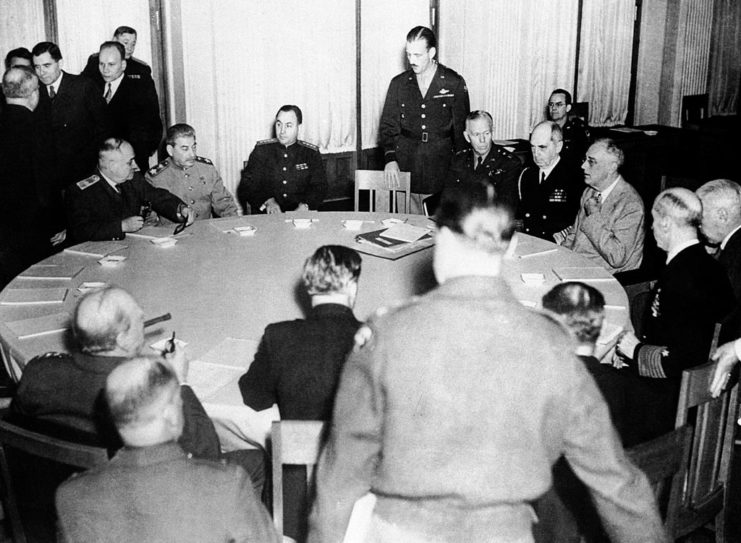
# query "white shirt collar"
(114, 85)
(725, 239)
(56, 83)
(605, 193)
(679, 248)
(547, 171)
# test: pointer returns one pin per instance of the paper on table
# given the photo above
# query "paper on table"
(151, 232)
(206, 379)
(234, 352)
(40, 326)
(34, 296)
(228, 225)
(609, 332)
(51, 271)
(405, 232)
(97, 249)
(595, 273)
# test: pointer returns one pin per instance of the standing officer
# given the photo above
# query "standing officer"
(575, 133)
(484, 160)
(284, 173)
(193, 179)
(423, 118)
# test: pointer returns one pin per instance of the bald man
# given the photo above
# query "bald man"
(691, 295)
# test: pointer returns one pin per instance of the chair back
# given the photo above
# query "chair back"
(382, 195)
(294, 442)
(664, 460)
(709, 468)
(12, 366)
(580, 110)
(694, 108)
(38, 446)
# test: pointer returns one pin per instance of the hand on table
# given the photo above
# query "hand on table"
(132, 224)
(725, 356)
(391, 174)
(302, 207)
(272, 207)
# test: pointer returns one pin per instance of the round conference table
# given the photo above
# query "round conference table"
(223, 288)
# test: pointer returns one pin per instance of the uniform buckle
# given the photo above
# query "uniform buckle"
(424, 137)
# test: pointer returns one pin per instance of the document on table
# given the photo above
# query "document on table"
(40, 326)
(220, 366)
(97, 249)
(34, 296)
(51, 271)
(609, 333)
(595, 273)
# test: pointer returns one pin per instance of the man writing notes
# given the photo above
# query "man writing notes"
(284, 173)
(423, 119)
(609, 225)
(192, 178)
(110, 203)
(456, 451)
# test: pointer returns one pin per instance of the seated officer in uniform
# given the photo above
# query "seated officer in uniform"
(113, 201)
(152, 490)
(575, 133)
(192, 178)
(284, 173)
(484, 160)
(549, 191)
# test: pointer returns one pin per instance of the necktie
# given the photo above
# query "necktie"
(478, 163)
(108, 94)
(52, 94)
(542, 177)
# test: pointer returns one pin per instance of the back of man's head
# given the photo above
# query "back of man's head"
(331, 269)
(19, 83)
(47, 47)
(680, 205)
(143, 397)
(108, 321)
(580, 307)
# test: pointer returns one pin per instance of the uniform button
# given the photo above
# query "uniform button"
(285, 182)
(527, 215)
(402, 105)
(544, 217)
(192, 201)
(424, 116)
(190, 188)
(285, 196)
(284, 168)
(423, 106)
(423, 127)
(285, 156)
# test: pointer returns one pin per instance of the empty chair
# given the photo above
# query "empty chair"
(380, 191)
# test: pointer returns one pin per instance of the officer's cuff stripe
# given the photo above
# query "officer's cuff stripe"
(649, 360)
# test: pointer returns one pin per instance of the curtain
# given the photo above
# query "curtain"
(725, 55)
(512, 54)
(382, 46)
(85, 24)
(605, 58)
(21, 25)
(244, 59)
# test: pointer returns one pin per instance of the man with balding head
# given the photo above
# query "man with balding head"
(152, 490)
(116, 199)
(62, 392)
(692, 294)
(549, 191)
(609, 225)
(135, 69)
(721, 225)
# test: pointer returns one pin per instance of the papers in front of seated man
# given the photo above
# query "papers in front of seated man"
(222, 365)
(51, 272)
(592, 273)
(609, 333)
(97, 249)
(40, 326)
(34, 296)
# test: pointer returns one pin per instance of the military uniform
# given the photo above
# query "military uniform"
(422, 132)
(500, 168)
(95, 210)
(292, 175)
(549, 207)
(199, 186)
(575, 140)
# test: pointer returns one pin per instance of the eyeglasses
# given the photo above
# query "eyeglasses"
(555, 105)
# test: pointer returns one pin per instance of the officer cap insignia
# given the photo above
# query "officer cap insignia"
(159, 168)
(309, 145)
(89, 182)
(265, 142)
(362, 336)
(204, 160)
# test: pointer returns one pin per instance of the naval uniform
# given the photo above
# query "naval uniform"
(199, 186)
(292, 175)
(420, 132)
(500, 168)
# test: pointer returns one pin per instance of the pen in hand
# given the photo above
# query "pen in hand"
(169, 346)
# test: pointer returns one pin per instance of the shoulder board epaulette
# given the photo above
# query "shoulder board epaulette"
(502, 151)
(463, 152)
(51, 354)
(204, 160)
(89, 182)
(159, 168)
(309, 145)
(265, 142)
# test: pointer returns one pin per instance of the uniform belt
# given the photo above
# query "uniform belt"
(424, 137)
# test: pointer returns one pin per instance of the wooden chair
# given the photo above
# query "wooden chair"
(39, 446)
(705, 495)
(581, 110)
(664, 460)
(380, 191)
(294, 442)
(694, 109)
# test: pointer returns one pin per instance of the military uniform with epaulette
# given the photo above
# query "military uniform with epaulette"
(500, 168)
(292, 175)
(575, 140)
(95, 209)
(199, 186)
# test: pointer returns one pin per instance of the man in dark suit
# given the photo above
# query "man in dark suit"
(73, 111)
(115, 200)
(151, 490)
(132, 104)
(135, 68)
(692, 294)
(298, 363)
(721, 225)
(484, 160)
(549, 191)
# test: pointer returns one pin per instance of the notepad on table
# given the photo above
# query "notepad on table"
(609, 333)
(405, 232)
(51, 271)
(34, 296)
(97, 249)
(579, 273)
(40, 326)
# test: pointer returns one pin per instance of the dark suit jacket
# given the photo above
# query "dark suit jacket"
(78, 122)
(730, 259)
(95, 210)
(298, 364)
(549, 207)
(135, 116)
(135, 69)
(63, 393)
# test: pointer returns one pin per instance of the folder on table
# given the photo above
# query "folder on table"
(34, 296)
(40, 326)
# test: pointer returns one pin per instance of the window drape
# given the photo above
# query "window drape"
(21, 24)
